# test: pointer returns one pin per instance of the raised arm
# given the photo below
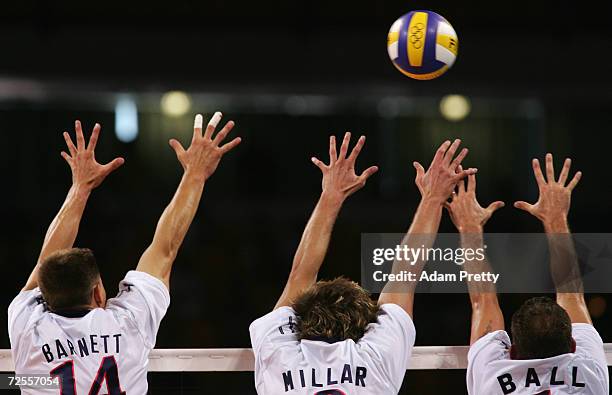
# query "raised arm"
(552, 208)
(199, 162)
(470, 217)
(87, 174)
(436, 186)
(339, 182)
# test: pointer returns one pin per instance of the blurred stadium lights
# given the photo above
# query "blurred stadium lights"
(267, 103)
(388, 107)
(296, 105)
(308, 105)
(126, 119)
(380, 100)
(21, 89)
(394, 106)
(175, 103)
(455, 107)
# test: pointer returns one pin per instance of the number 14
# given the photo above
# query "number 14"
(107, 372)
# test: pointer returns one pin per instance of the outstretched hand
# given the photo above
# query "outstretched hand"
(465, 211)
(86, 171)
(339, 177)
(440, 179)
(555, 195)
(205, 152)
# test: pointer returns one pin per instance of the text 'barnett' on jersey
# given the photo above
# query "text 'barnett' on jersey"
(89, 349)
(85, 346)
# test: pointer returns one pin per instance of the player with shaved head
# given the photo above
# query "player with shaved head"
(61, 323)
(554, 347)
(330, 337)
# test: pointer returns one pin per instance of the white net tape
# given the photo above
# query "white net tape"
(241, 359)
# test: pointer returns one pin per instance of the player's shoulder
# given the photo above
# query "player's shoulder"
(590, 347)
(497, 343)
(277, 317)
(587, 331)
(392, 323)
(150, 289)
(24, 310)
(396, 313)
(26, 298)
(140, 278)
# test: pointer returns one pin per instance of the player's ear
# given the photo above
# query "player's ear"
(99, 295)
(573, 346)
(513, 352)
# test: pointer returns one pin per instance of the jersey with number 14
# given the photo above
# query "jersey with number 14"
(100, 351)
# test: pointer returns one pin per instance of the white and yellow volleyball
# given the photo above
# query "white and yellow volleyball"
(422, 45)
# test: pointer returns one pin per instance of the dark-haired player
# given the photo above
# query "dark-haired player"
(329, 337)
(554, 349)
(61, 324)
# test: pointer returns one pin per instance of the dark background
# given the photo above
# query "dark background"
(290, 73)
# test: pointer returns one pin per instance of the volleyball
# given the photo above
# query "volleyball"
(422, 45)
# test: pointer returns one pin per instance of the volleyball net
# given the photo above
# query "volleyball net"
(242, 360)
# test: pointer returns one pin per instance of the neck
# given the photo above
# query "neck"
(73, 312)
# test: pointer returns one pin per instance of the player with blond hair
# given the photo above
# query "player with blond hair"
(329, 337)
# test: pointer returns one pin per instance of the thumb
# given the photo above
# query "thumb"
(318, 163)
(368, 172)
(493, 207)
(420, 171)
(114, 165)
(523, 206)
(176, 146)
(67, 158)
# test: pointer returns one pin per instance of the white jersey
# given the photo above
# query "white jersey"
(584, 372)
(376, 364)
(101, 351)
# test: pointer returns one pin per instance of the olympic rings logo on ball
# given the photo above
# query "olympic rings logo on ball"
(416, 35)
(422, 45)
